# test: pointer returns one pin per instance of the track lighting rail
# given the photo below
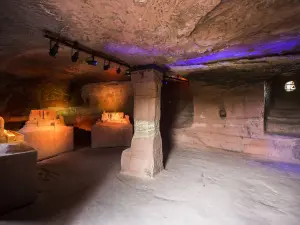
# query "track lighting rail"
(57, 38)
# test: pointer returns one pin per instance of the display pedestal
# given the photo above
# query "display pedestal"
(47, 134)
(48, 140)
(111, 135)
(18, 175)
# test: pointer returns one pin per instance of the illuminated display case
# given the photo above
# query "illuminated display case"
(112, 130)
(47, 133)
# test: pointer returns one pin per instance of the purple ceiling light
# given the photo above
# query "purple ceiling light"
(278, 47)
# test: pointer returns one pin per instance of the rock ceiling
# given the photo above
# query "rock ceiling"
(185, 35)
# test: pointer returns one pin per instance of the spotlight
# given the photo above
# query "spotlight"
(75, 56)
(127, 73)
(53, 49)
(92, 61)
(118, 70)
(106, 66)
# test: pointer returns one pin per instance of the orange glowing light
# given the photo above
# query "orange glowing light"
(115, 117)
(177, 77)
(181, 78)
(8, 133)
(7, 136)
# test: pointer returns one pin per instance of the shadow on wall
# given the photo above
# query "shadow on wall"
(177, 111)
(109, 96)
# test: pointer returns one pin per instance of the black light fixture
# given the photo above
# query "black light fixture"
(57, 40)
(92, 61)
(106, 66)
(118, 70)
(53, 50)
(75, 55)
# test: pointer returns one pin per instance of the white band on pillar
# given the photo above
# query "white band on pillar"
(144, 129)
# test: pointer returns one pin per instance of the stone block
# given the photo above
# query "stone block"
(46, 132)
(49, 140)
(18, 176)
(147, 76)
(145, 89)
(111, 135)
(144, 158)
(146, 109)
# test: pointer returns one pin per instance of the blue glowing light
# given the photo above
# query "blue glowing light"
(281, 46)
(282, 166)
(92, 62)
(278, 47)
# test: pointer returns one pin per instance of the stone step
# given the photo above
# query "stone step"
(284, 113)
(283, 128)
(286, 105)
(295, 120)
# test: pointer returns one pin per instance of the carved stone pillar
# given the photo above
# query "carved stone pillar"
(145, 158)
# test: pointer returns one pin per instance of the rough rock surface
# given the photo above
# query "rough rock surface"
(145, 31)
(197, 187)
(12, 148)
(145, 157)
(107, 135)
(243, 129)
(111, 97)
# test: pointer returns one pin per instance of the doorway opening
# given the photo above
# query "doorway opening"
(177, 111)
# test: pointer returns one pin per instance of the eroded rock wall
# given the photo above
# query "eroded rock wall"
(81, 101)
(241, 129)
(109, 96)
(176, 105)
(105, 96)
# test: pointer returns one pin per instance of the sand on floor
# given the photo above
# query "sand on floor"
(197, 187)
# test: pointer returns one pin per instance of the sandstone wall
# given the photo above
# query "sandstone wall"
(242, 130)
(80, 101)
(176, 105)
(109, 96)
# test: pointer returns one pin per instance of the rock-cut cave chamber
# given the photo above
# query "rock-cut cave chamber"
(150, 112)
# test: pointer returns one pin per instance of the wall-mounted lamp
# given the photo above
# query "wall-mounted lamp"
(222, 113)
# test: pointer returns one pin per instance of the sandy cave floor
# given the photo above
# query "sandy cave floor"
(85, 188)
